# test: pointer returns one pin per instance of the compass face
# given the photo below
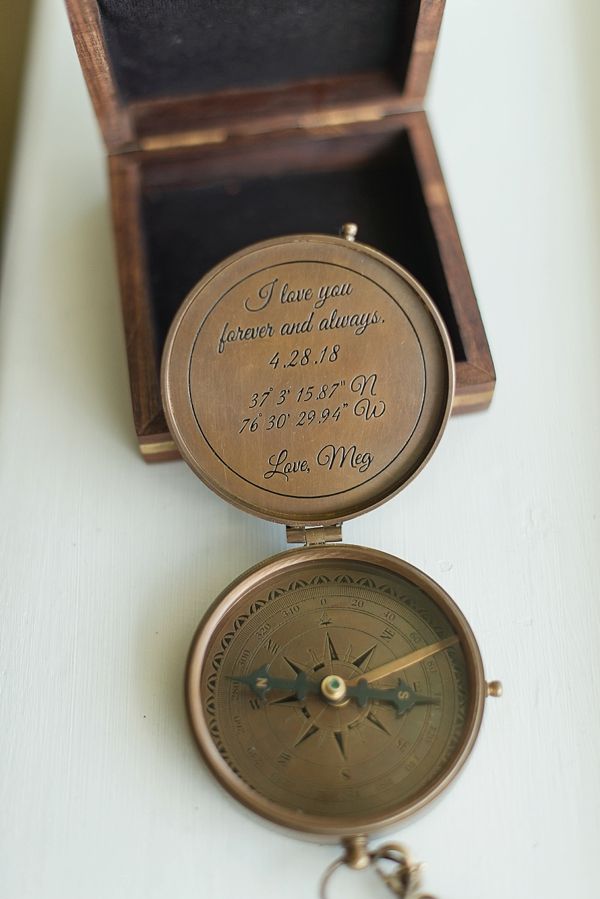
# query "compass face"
(334, 689)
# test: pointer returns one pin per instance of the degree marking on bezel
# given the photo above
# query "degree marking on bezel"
(364, 582)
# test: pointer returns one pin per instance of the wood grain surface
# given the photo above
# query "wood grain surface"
(316, 125)
(107, 564)
(165, 122)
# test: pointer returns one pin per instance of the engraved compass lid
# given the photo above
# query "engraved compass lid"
(307, 379)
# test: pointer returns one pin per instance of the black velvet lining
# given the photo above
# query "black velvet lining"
(163, 48)
(189, 230)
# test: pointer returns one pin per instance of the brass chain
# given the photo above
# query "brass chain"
(402, 878)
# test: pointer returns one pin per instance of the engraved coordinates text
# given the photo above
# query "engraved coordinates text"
(329, 457)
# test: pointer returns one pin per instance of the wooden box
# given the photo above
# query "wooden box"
(231, 121)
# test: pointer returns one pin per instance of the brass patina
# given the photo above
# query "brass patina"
(259, 690)
(333, 690)
(307, 379)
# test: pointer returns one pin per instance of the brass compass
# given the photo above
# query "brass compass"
(333, 690)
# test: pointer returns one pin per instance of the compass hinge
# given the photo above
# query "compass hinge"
(315, 536)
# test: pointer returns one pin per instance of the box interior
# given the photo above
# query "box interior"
(196, 211)
(174, 48)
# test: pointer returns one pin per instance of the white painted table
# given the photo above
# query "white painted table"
(107, 564)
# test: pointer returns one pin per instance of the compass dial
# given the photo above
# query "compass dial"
(335, 689)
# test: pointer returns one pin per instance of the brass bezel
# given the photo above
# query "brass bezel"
(327, 829)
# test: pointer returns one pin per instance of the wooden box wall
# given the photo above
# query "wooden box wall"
(197, 176)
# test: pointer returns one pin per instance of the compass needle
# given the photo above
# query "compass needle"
(373, 731)
(412, 658)
(306, 380)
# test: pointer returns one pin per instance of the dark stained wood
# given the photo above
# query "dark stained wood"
(272, 153)
(142, 352)
(162, 123)
(476, 376)
(424, 45)
(182, 121)
(113, 117)
(193, 141)
(191, 166)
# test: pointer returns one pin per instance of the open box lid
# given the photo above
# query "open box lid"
(307, 379)
(166, 74)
